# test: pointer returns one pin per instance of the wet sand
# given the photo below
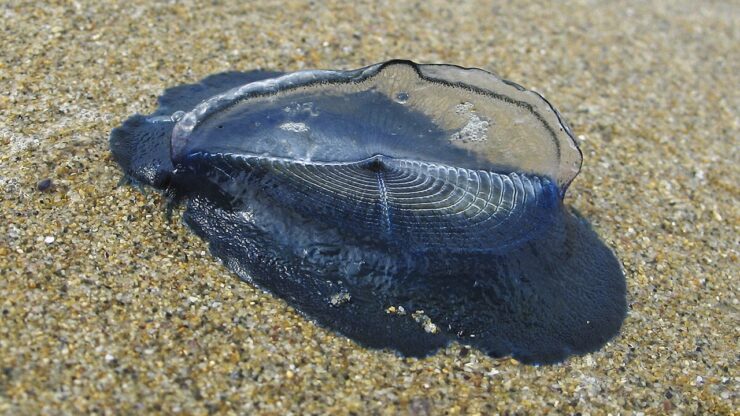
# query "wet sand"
(107, 307)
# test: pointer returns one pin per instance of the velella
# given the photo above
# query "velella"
(400, 205)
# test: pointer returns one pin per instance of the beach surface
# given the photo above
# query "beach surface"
(106, 307)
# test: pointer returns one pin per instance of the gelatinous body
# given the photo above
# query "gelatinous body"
(401, 205)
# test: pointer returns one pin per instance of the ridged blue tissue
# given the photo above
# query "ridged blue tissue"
(401, 205)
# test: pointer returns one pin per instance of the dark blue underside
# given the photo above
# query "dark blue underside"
(562, 294)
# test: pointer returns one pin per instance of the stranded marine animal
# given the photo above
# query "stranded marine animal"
(401, 205)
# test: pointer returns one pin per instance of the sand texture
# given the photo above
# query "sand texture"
(106, 307)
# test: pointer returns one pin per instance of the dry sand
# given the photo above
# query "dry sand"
(105, 307)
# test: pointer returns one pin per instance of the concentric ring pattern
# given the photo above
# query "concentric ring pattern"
(420, 205)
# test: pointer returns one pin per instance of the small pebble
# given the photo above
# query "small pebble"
(44, 185)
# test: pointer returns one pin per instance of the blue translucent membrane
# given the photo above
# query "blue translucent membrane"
(402, 206)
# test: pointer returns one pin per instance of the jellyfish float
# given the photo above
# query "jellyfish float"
(401, 205)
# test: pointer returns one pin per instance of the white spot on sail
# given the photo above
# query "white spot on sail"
(294, 127)
(475, 130)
